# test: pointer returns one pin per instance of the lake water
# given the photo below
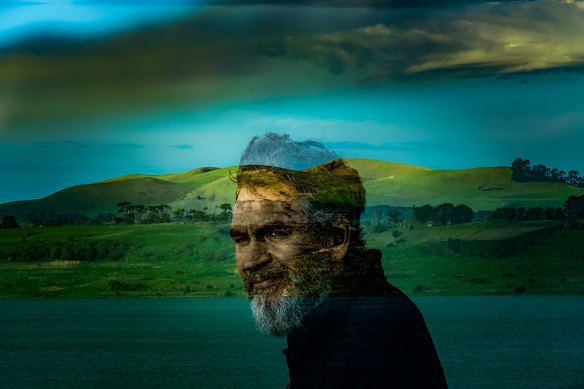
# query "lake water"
(482, 341)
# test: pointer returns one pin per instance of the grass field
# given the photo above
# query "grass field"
(156, 260)
(197, 260)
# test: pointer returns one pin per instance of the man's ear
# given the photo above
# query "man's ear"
(341, 244)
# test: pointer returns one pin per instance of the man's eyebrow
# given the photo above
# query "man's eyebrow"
(242, 229)
(237, 230)
(275, 226)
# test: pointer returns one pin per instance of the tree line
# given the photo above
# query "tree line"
(129, 213)
(440, 215)
(443, 214)
(572, 214)
(524, 172)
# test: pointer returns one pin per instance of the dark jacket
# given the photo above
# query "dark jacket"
(374, 340)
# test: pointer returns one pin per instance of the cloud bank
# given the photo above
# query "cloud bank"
(474, 41)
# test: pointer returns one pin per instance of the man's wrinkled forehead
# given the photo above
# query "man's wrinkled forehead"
(263, 205)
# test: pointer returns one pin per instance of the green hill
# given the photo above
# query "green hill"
(387, 183)
(100, 197)
(486, 188)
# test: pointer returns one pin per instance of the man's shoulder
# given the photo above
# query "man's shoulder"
(372, 341)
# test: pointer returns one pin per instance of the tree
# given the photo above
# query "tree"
(159, 213)
(503, 213)
(196, 215)
(179, 213)
(520, 213)
(9, 221)
(226, 211)
(126, 212)
(462, 214)
(575, 211)
(444, 214)
(394, 218)
(521, 170)
(573, 177)
(139, 211)
(535, 213)
(423, 214)
(540, 173)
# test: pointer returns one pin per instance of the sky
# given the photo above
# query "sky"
(94, 89)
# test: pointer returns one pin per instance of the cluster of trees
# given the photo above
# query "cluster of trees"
(443, 214)
(524, 172)
(521, 214)
(386, 219)
(8, 221)
(573, 213)
(53, 219)
(129, 213)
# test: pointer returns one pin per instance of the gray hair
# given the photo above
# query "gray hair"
(280, 151)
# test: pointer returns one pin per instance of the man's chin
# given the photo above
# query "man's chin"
(280, 315)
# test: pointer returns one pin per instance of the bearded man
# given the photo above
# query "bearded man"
(310, 278)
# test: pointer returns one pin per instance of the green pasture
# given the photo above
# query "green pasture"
(155, 260)
(192, 260)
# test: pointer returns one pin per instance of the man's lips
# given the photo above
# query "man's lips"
(265, 284)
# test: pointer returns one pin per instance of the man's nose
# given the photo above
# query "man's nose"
(256, 255)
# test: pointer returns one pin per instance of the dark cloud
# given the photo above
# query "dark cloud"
(240, 53)
(473, 41)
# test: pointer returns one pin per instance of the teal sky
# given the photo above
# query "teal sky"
(90, 90)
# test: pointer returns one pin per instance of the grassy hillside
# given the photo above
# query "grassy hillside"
(386, 183)
(480, 188)
(100, 197)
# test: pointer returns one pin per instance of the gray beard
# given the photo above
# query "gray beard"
(279, 315)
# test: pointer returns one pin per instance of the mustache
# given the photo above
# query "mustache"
(309, 272)
(272, 272)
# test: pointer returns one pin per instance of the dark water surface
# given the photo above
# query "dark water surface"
(483, 342)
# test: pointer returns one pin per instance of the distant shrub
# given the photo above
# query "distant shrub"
(395, 233)
(454, 245)
(421, 288)
(520, 289)
(118, 286)
(380, 228)
(481, 281)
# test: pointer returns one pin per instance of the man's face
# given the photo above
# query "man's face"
(276, 243)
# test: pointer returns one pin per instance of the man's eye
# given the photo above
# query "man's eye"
(278, 234)
(240, 238)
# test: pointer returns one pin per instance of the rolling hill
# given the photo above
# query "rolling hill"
(387, 183)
